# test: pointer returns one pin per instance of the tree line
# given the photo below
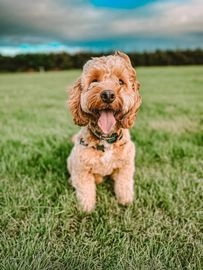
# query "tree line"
(63, 61)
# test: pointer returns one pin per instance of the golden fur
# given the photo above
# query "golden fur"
(96, 154)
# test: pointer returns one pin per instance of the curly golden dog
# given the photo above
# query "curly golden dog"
(105, 101)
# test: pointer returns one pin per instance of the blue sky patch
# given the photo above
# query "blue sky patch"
(120, 4)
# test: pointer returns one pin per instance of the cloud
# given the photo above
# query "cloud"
(88, 24)
(165, 19)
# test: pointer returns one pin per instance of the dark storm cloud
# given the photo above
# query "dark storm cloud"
(84, 24)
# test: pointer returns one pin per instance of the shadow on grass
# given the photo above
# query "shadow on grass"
(36, 159)
(49, 157)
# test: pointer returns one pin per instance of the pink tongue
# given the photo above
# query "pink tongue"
(106, 121)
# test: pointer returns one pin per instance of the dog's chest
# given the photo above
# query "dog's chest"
(108, 154)
(107, 162)
(107, 157)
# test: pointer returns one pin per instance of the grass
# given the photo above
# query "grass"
(41, 225)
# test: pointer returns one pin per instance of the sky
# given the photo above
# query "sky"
(29, 26)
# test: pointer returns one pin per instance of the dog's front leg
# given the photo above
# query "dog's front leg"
(123, 186)
(85, 186)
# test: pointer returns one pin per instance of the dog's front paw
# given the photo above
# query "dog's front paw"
(125, 200)
(85, 192)
(124, 196)
(87, 204)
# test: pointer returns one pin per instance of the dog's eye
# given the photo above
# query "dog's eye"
(121, 82)
(95, 80)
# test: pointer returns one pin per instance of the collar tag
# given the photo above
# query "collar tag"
(100, 147)
(82, 142)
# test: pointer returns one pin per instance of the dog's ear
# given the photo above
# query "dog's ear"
(80, 118)
(124, 56)
(129, 118)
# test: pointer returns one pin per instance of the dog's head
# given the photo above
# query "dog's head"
(107, 93)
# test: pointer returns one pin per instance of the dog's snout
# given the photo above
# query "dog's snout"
(108, 96)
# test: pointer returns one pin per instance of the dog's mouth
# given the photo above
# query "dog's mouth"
(106, 120)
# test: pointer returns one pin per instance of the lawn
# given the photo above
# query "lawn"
(41, 224)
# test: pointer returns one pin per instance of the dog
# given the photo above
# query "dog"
(104, 101)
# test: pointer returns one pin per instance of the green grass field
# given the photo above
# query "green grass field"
(41, 225)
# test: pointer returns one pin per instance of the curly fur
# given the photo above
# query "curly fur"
(93, 156)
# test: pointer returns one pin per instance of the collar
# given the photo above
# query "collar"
(112, 138)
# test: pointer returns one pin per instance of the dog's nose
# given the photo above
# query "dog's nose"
(108, 96)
